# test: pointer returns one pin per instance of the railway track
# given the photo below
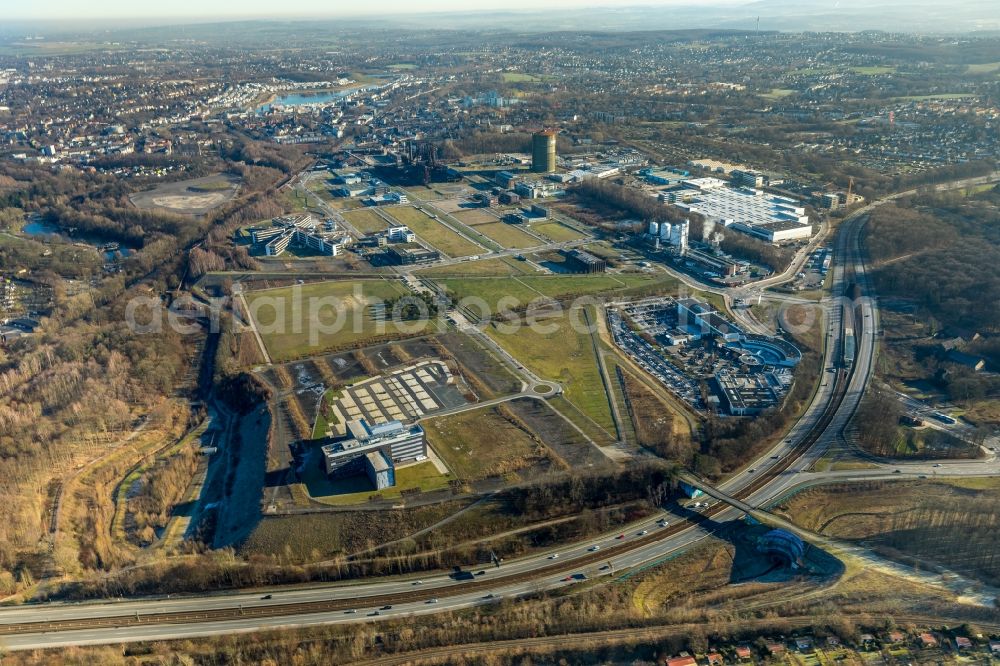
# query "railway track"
(312, 607)
(333, 605)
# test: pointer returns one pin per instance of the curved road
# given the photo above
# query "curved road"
(643, 543)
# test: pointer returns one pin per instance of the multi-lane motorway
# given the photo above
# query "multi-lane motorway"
(776, 473)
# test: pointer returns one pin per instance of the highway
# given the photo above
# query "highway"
(777, 472)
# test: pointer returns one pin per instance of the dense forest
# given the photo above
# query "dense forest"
(86, 381)
(941, 251)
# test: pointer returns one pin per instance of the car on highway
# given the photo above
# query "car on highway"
(418, 582)
(387, 607)
(593, 548)
(267, 596)
(431, 601)
(350, 611)
(643, 532)
(554, 556)
(936, 465)
(374, 613)
(620, 536)
(663, 522)
(751, 470)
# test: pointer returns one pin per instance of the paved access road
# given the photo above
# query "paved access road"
(643, 543)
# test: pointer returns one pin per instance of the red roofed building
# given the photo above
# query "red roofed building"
(927, 640)
(682, 661)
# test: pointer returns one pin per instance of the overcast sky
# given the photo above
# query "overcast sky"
(125, 9)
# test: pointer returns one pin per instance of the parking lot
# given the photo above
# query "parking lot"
(405, 395)
(654, 362)
(744, 374)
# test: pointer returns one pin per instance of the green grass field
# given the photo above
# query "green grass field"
(322, 422)
(467, 443)
(532, 287)
(941, 96)
(433, 232)
(321, 187)
(874, 70)
(520, 77)
(508, 235)
(293, 201)
(556, 231)
(779, 93)
(296, 327)
(554, 350)
(483, 267)
(357, 489)
(365, 220)
(983, 68)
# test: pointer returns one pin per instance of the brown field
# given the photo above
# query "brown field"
(189, 197)
(474, 216)
(950, 524)
(466, 443)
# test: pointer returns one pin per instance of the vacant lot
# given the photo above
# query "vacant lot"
(508, 235)
(474, 216)
(556, 231)
(493, 267)
(468, 444)
(486, 374)
(533, 287)
(433, 232)
(313, 537)
(189, 197)
(983, 68)
(366, 221)
(520, 77)
(554, 350)
(563, 440)
(952, 524)
(305, 320)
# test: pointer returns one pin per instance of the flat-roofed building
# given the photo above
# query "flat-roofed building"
(581, 261)
(772, 218)
(704, 320)
(396, 442)
(410, 253)
(747, 394)
(381, 472)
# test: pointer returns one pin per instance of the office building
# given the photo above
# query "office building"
(393, 442)
(401, 234)
(747, 178)
(300, 230)
(580, 261)
(410, 253)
